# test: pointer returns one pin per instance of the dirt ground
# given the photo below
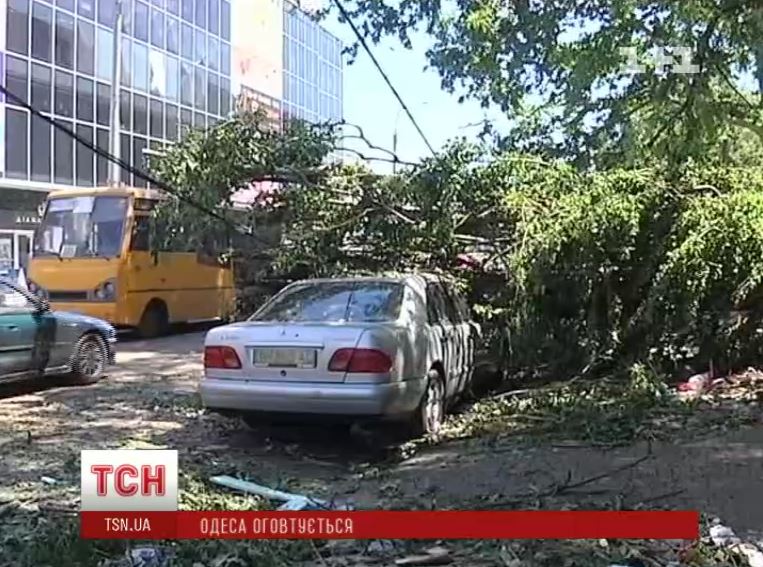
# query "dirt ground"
(150, 401)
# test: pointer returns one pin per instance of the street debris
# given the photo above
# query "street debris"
(49, 481)
(431, 556)
(291, 502)
(148, 557)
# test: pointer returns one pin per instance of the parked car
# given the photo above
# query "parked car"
(398, 348)
(35, 341)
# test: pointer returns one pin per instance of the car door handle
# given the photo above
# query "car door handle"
(10, 327)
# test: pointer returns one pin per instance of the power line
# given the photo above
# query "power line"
(364, 43)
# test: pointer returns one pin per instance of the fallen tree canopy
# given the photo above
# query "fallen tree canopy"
(589, 272)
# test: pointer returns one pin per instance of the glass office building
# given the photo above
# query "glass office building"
(312, 69)
(183, 64)
(59, 56)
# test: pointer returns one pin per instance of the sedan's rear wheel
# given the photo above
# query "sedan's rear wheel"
(88, 360)
(430, 415)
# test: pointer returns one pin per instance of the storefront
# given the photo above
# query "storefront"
(16, 235)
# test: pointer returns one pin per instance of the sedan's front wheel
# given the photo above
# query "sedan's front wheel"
(88, 360)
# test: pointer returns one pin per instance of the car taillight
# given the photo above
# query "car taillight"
(221, 357)
(360, 360)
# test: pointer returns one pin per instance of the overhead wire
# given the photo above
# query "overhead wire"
(362, 40)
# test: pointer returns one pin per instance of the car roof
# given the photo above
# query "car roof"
(386, 277)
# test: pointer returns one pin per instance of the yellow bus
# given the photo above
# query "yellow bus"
(93, 255)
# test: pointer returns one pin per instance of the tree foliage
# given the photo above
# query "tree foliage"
(557, 70)
(587, 270)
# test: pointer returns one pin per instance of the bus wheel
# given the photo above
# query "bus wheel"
(155, 321)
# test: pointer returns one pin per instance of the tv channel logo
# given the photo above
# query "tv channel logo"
(136, 480)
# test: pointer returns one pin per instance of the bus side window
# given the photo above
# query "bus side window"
(141, 234)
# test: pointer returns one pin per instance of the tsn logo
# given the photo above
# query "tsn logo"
(129, 480)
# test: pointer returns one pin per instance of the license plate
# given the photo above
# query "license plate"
(285, 357)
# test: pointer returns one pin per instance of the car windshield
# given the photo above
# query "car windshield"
(335, 302)
(75, 227)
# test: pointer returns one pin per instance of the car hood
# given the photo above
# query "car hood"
(83, 321)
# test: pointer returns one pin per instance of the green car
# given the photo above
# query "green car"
(35, 341)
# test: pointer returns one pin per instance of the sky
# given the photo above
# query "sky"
(369, 103)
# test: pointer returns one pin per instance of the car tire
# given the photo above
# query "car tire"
(430, 414)
(89, 360)
(154, 322)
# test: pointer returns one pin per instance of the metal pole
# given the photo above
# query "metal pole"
(394, 142)
(116, 82)
(394, 152)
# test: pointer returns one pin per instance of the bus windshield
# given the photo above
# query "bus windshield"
(77, 227)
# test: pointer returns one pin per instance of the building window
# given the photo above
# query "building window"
(16, 146)
(103, 104)
(42, 32)
(125, 111)
(16, 78)
(157, 28)
(173, 39)
(125, 153)
(172, 83)
(85, 47)
(126, 62)
(171, 122)
(85, 156)
(140, 114)
(41, 149)
(63, 163)
(140, 67)
(186, 84)
(86, 8)
(225, 58)
(213, 55)
(85, 93)
(213, 93)
(199, 90)
(199, 120)
(187, 10)
(41, 87)
(127, 13)
(64, 40)
(138, 156)
(65, 4)
(201, 13)
(213, 16)
(225, 20)
(107, 13)
(186, 121)
(105, 57)
(64, 94)
(200, 48)
(158, 72)
(101, 163)
(173, 7)
(186, 42)
(225, 97)
(157, 119)
(17, 31)
(140, 21)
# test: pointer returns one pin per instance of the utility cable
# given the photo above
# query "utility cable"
(364, 43)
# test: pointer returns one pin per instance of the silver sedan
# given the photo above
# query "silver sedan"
(399, 348)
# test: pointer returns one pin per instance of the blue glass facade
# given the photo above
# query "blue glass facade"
(312, 71)
(59, 55)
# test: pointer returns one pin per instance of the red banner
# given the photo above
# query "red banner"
(390, 525)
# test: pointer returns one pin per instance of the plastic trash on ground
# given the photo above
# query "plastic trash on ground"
(291, 502)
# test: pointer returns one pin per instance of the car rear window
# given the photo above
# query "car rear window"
(335, 302)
